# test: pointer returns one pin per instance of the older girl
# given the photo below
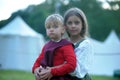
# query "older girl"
(77, 28)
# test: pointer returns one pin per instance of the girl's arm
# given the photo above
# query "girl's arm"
(69, 65)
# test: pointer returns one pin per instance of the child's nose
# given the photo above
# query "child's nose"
(51, 29)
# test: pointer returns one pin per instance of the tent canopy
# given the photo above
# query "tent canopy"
(18, 27)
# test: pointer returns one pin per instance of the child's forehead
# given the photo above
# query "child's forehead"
(54, 22)
(51, 22)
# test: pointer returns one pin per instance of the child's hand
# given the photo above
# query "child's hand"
(37, 72)
(46, 74)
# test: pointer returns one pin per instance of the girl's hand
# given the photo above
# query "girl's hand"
(45, 74)
(50, 75)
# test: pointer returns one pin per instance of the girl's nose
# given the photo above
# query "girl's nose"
(73, 24)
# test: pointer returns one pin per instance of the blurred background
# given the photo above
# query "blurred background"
(22, 34)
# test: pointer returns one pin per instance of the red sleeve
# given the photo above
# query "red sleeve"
(69, 66)
(37, 62)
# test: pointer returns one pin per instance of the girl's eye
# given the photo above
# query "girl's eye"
(73, 22)
(77, 22)
(69, 22)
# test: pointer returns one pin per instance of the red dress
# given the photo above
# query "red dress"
(63, 54)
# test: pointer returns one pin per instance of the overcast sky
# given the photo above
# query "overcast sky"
(7, 7)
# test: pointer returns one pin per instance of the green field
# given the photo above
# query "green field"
(15, 75)
(22, 75)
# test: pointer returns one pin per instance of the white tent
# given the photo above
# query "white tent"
(19, 45)
(107, 55)
(112, 43)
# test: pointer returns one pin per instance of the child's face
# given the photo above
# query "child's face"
(54, 32)
(74, 25)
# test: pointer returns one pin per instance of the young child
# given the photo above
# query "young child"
(76, 26)
(57, 58)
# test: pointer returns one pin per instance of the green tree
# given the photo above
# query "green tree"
(101, 21)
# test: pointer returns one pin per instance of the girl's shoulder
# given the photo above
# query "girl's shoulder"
(85, 43)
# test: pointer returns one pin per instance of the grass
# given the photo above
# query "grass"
(22, 75)
(15, 75)
(95, 77)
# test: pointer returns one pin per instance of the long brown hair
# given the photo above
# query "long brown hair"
(79, 13)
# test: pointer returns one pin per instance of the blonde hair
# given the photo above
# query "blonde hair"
(79, 13)
(57, 19)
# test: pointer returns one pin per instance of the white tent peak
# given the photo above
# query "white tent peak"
(107, 53)
(112, 38)
(20, 45)
(18, 27)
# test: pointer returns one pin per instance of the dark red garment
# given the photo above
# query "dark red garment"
(54, 54)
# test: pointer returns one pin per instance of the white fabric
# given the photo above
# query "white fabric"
(84, 55)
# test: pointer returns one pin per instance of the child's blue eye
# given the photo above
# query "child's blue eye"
(48, 27)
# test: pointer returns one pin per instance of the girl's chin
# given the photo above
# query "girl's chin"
(74, 34)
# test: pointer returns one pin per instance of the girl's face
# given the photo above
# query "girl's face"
(54, 31)
(74, 25)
